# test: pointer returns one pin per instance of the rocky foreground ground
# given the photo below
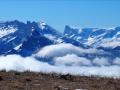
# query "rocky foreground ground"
(39, 81)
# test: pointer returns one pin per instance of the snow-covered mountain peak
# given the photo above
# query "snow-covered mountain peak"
(42, 25)
(95, 37)
(28, 38)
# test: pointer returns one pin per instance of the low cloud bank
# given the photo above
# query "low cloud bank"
(59, 50)
(66, 60)
(18, 63)
(72, 60)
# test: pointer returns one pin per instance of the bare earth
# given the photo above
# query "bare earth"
(39, 81)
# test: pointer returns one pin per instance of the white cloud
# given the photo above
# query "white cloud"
(18, 63)
(67, 60)
(63, 49)
(116, 61)
(15, 62)
(101, 61)
(71, 59)
(53, 38)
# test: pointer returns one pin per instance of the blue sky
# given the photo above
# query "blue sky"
(58, 13)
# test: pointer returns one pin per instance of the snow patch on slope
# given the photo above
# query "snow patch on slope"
(17, 47)
(7, 31)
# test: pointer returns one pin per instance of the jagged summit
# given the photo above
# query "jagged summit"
(42, 25)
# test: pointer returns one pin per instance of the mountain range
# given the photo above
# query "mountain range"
(28, 38)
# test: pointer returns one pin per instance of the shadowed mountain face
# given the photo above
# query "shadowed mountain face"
(28, 38)
(18, 37)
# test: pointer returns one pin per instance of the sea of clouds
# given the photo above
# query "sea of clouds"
(66, 60)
